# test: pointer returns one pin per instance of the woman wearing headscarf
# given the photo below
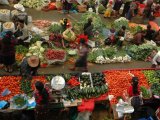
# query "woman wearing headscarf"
(7, 51)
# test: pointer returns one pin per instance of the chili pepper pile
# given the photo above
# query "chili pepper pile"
(12, 83)
(73, 81)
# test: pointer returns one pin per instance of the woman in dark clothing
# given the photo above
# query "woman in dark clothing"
(42, 99)
(117, 6)
(134, 92)
(83, 54)
(66, 6)
(149, 33)
(126, 8)
(88, 28)
(148, 9)
(120, 36)
(7, 51)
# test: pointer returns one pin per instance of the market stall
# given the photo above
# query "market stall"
(82, 90)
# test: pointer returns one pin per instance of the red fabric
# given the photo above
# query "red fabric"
(130, 91)
(87, 105)
(52, 6)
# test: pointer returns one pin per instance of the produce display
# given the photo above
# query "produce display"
(106, 55)
(120, 22)
(140, 52)
(36, 4)
(20, 53)
(146, 94)
(8, 26)
(41, 23)
(19, 101)
(86, 81)
(53, 55)
(69, 35)
(98, 79)
(55, 28)
(119, 82)
(12, 83)
(38, 50)
(155, 88)
(152, 76)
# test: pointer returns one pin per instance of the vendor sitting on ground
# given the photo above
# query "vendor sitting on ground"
(120, 36)
(29, 66)
(156, 59)
(139, 38)
(21, 33)
(42, 98)
(149, 33)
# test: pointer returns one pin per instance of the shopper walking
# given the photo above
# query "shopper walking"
(126, 7)
(81, 62)
(117, 6)
(7, 51)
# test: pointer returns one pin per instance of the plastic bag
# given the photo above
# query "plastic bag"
(4, 2)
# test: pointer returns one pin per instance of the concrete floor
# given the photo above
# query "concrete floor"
(58, 15)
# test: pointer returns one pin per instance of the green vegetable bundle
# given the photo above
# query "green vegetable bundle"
(140, 52)
(145, 92)
(21, 49)
(55, 28)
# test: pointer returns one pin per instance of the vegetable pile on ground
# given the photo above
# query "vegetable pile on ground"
(36, 4)
(106, 55)
(119, 81)
(140, 52)
(120, 22)
(20, 53)
(38, 50)
(53, 55)
(12, 83)
(41, 23)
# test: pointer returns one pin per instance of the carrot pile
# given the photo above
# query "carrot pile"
(119, 81)
(38, 78)
(12, 83)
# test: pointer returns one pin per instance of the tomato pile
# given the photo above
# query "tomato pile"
(38, 78)
(52, 54)
(119, 82)
(13, 85)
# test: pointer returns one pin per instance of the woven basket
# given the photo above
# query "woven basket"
(82, 8)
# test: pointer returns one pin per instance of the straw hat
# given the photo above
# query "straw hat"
(33, 61)
(19, 7)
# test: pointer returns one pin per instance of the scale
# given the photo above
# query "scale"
(57, 84)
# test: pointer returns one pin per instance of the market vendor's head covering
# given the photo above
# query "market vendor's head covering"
(135, 79)
(19, 7)
(33, 61)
